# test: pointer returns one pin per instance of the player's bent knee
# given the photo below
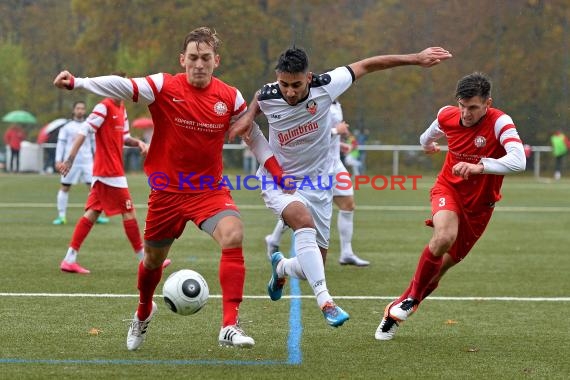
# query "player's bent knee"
(232, 238)
(441, 244)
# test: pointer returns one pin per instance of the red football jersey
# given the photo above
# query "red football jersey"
(189, 128)
(471, 145)
(109, 138)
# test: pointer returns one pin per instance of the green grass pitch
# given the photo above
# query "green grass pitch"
(501, 314)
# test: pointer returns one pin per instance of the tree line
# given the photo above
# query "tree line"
(523, 45)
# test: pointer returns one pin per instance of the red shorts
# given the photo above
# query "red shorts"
(112, 200)
(168, 212)
(472, 223)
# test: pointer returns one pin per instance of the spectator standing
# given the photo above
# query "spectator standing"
(560, 146)
(13, 138)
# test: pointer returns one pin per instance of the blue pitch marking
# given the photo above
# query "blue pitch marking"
(295, 326)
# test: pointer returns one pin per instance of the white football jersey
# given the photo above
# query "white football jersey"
(336, 117)
(65, 139)
(300, 135)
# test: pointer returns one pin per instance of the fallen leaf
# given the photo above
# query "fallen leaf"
(94, 331)
(472, 349)
(450, 322)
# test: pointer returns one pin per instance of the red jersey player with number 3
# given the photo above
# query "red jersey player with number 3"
(192, 112)
(484, 145)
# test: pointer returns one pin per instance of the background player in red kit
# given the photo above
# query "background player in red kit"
(109, 192)
(484, 145)
(191, 112)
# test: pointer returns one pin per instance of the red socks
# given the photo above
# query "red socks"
(147, 282)
(80, 232)
(133, 234)
(431, 287)
(232, 278)
(428, 268)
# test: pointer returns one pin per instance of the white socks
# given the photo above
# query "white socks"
(311, 262)
(290, 267)
(71, 255)
(62, 199)
(275, 237)
(345, 227)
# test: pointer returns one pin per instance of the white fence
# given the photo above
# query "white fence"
(398, 149)
(32, 155)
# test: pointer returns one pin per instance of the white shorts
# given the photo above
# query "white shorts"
(342, 189)
(78, 173)
(319, 203)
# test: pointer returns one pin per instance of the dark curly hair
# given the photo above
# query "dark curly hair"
(293, 60)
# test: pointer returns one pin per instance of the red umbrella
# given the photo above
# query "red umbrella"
(142, 123)
(49, 128)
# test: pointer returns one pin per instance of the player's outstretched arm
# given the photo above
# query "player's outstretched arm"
(113, 86)
(426, 58)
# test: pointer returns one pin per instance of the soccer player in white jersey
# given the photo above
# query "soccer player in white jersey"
(343, 197)
(297, 107)
(82, 171)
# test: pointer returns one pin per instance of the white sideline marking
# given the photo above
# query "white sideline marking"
(554, 209)
(109, 295)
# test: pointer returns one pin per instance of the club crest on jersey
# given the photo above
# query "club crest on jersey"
(312, 107)
(220, 108)
(480, 141)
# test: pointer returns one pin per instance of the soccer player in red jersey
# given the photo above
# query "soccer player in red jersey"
(192, 112)
(484, 146)
(109, 191)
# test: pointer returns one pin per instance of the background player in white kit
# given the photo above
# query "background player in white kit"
(343, 197)
(297, 107)
(82, 171)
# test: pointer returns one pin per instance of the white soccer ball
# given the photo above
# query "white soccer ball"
(185, 292)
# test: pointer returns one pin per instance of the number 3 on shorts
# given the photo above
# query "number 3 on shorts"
(441, 202)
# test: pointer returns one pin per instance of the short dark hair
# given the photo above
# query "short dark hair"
(205, 35)
(293, 60)
(78, 102)
(475, 84)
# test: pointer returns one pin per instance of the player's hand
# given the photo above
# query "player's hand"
(63, 167)
(64, 80)
(465, 169)
(143, 148)
(342, 128)
(433, 148)
(432, 56)
(289, 185)
(241, 127)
